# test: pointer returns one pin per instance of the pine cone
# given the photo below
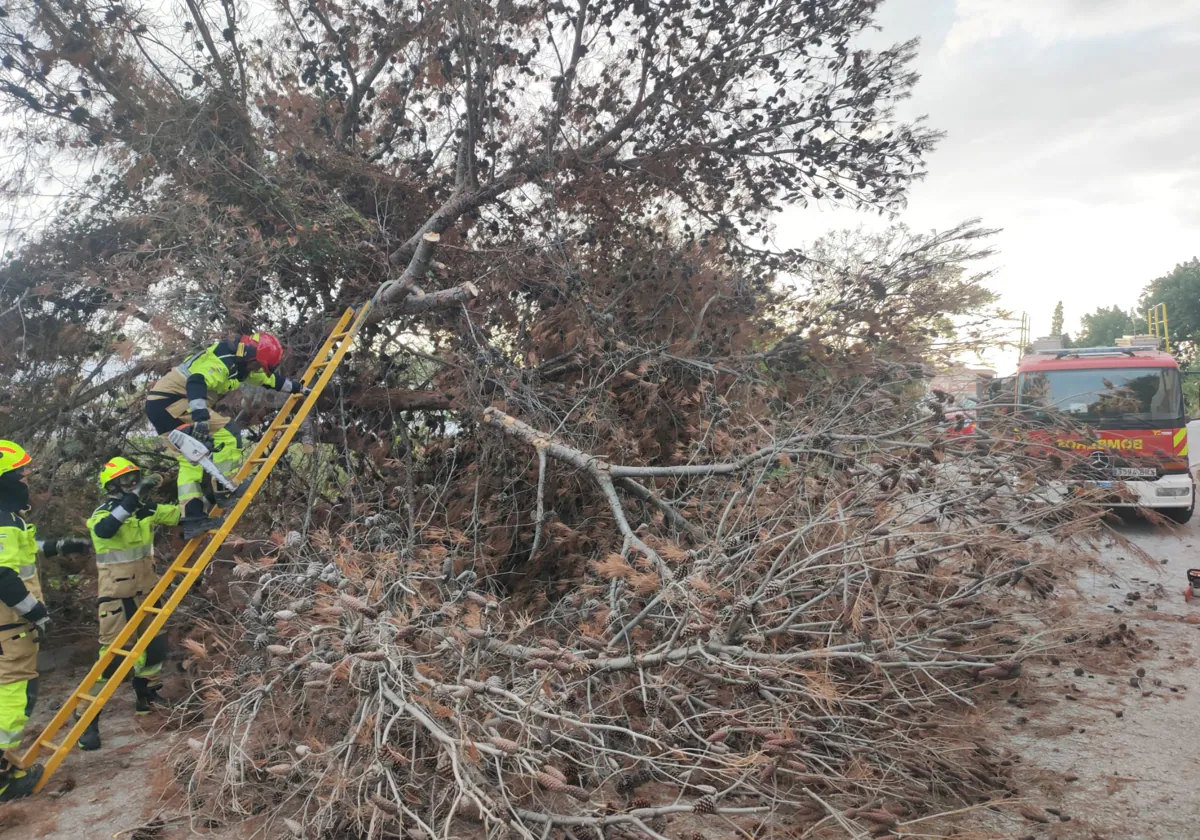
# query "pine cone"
(262, 640)
(494, 682)
(704, 805)
(577, 792)
(551, 783)
(510, 747)
(593, 642)
(358, 605)
(630, 782)
(384, 804)
(639, 803)
(773, 590)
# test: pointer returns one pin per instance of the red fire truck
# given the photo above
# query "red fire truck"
(1117, 414)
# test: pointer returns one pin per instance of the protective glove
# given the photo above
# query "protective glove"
(41, 629)
(38, 617)
(150, 482)
(74, 545)
(53, 548)
(200, 432)
(294, 386)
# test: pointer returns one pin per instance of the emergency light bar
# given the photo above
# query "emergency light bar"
(1095, 351)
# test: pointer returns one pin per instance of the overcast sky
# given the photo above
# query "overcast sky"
(1074, 125)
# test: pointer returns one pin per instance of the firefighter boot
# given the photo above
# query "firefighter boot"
(148, 698)
(90, 739)
(17, 784)
(195, 522)
(194, 527)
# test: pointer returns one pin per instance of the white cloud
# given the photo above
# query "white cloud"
(1071, 125)
(1048, 21)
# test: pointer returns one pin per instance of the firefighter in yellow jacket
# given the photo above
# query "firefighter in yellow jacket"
(23, 618)
(122, 531)
(180, 400)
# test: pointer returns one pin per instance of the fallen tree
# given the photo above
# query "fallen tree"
(787, 638)
(618, 520)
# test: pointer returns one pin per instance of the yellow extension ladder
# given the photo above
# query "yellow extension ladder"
(1156, 323)
(151, 617)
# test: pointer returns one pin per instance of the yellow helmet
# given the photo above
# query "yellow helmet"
(12, 456)
(116, 468)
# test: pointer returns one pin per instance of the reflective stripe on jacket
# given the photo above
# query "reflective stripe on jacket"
(18, 552)
(223, 370)
(135, 539)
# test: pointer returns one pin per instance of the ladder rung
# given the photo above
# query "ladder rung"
(186, 570)
(84, 696)
(120, 651)
(50, 745)
(151, 610)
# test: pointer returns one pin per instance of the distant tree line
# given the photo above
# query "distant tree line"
(1179, 289)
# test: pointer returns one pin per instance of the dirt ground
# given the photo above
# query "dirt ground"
(114, 792)
(1109, 747)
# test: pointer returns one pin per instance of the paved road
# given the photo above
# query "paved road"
(1139, 772)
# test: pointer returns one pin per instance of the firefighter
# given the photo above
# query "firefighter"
(122, 531)
(24, 621)
(180, 400)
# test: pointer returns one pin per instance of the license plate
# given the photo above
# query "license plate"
(1135, 472)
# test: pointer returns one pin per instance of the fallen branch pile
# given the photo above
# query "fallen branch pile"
(784, 639)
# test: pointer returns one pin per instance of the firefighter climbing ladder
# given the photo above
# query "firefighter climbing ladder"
(151, 616)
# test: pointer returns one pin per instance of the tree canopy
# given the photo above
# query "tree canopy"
(1180, 291)
(1103, 327)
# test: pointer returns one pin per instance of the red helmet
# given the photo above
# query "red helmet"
(262, 347)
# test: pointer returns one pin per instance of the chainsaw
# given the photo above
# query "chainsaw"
(197, 453)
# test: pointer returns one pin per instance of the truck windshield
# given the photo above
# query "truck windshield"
(1117, 398)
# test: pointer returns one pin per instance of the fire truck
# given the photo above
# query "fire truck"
(1116, 417)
